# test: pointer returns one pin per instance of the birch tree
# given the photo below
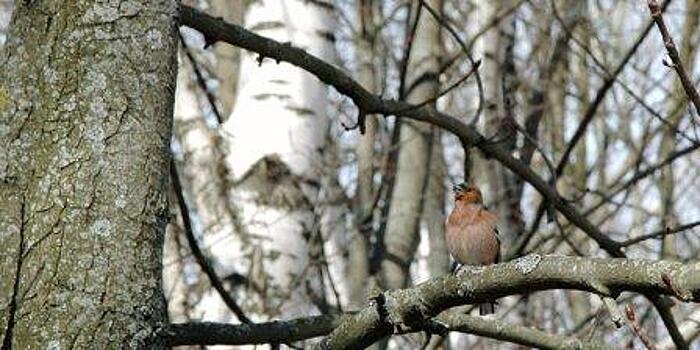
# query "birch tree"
(275, 178)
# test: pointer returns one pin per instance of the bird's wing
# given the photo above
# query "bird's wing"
(487, 222)
(498, 240)
(486, 218)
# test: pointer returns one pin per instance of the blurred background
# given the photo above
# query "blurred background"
(299, 213)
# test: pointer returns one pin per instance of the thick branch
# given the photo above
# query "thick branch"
(409, 309)
(211, 333)
(215, 29)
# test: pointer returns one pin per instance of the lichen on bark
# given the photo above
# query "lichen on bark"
(86, 125)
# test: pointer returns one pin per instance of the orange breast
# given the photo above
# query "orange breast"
(471, 235)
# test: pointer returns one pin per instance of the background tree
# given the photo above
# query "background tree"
(530, 105)
(297, 202)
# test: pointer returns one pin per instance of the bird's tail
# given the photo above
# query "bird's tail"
(486, 308)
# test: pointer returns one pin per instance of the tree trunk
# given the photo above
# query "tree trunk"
(666, 182)
(86, 96)
(277, 136)
(358, 254)
(228, 57)
(204, 173)
(434, 211)
(401, 238)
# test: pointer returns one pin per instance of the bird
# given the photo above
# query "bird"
(470, 232)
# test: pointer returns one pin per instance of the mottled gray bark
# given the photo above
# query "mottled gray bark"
(86, 96)
(408, 310)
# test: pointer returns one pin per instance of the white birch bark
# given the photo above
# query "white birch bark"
(276, 136)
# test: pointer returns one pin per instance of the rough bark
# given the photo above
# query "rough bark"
(408, 310)
(85, 113)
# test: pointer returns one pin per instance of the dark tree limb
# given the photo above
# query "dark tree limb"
(660, 234)
(211, 333)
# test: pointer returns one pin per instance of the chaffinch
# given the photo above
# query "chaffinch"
(471, 234)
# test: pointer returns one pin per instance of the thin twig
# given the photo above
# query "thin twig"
(637, 329)
(430, 100)
(200, 79)
(656, 15)
(659, 234)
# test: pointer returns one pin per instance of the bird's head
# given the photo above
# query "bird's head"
(467, 193)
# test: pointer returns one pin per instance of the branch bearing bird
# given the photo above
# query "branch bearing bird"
(471, 234)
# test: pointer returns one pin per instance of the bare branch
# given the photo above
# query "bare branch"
(637, 328)
(656, 15)
(412, 310)
(660, 234)
(400, 311)
(497, 329)
(215, 29)
(210, 333)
